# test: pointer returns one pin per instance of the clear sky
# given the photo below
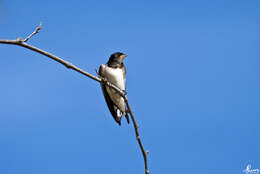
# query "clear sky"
(192, 80)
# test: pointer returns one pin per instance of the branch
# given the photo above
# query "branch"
(33, 33)
(22, 43)
(145, 153)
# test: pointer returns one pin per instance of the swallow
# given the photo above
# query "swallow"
(114, 71)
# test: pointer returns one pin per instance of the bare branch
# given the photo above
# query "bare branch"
(22, 42)
(145, 153)
(33, 33)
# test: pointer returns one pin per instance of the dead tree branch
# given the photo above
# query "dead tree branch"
(145, 153)
(22, 42)
(33, 33)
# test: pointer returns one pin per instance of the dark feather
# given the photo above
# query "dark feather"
(127, 117)
(110, 105)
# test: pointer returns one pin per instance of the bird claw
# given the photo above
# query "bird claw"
(103, 80)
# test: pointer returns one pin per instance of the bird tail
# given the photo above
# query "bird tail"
(127, 117)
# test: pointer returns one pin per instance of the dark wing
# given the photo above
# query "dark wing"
(111, 106)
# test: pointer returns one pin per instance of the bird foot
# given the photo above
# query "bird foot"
(103, 80)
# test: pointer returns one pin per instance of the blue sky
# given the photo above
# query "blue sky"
(192, 82)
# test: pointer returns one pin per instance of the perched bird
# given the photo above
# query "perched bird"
(114, 71)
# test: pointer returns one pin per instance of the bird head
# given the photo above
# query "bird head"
(117, 57)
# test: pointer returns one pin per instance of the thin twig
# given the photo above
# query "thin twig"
(21, 42)
(137, 135)
(33, 33)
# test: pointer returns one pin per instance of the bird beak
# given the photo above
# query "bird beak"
(122, 57)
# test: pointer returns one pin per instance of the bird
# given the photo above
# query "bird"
(114, 71)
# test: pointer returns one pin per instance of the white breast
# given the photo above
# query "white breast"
(115, 76)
